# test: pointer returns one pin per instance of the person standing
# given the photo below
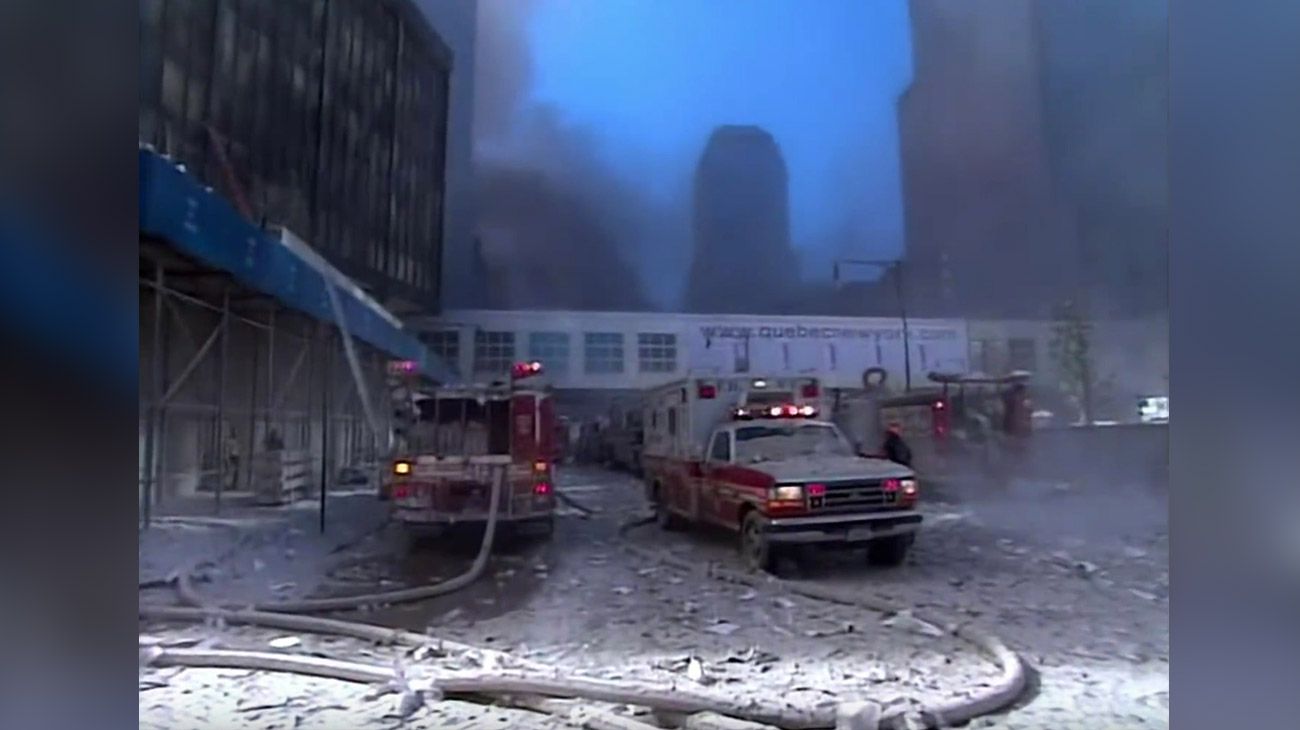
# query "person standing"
(232, 460)
(896, 449)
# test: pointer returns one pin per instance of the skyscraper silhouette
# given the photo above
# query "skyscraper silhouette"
(742, 258)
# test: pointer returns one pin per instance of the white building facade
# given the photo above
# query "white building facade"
(634, 351)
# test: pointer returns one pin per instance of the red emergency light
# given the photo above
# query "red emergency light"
(787, 410)
(940, 419)
(525, 369)
(707, 391)
(542, 489)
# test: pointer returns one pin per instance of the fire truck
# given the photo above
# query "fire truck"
(958, 422)
(464, 439)
(753, 456)
(962, 420)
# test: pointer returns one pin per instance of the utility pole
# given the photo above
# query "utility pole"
(892, 267)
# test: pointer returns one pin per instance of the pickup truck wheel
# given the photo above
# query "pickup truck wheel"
(889, 551)
(755, 549)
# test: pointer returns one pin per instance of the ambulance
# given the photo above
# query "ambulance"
(754, 456)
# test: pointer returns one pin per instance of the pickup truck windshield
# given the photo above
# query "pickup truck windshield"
(769, 443)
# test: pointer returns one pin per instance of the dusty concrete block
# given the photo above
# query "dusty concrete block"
(857, 716)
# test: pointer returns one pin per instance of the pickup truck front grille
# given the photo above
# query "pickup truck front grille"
(854, 495)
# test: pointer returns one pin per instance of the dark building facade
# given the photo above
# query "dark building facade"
(1104, 81)
(983, 229)
(742, 259)
(327, 117)
(1032, 141)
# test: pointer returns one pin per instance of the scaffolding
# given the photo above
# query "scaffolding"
(259, 362)
(228, 375)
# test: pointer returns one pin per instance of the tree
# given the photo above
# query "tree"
(1071, 348)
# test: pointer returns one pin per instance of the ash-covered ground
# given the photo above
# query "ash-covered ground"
(1075, 582)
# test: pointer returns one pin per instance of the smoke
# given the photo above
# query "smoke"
(1107, 124)
(557, 224)
(503, 65)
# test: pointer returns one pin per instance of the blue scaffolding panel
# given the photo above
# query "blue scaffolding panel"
(179, 209)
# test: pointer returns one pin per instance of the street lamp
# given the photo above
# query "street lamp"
(895, 267)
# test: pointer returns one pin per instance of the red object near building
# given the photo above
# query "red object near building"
(468, 438)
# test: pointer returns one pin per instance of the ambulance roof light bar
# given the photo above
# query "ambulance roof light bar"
(785, 410)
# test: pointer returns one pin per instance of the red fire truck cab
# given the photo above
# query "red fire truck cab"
(752, 455)
(465, 439)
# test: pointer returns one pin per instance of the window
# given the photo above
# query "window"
(1022, 354)
(551, 349)
(979, 356)
(672, 421)
(721, 450)
(759, 443)
(444, 344)
(657, 352)
(494, 352)
(603, 352)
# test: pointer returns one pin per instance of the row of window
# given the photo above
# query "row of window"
(494, 352)
(602, 352)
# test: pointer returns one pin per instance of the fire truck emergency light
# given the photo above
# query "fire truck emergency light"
(526, 369)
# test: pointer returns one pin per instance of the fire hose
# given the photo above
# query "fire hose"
(518, 677)
(1004, 692)
(189, 596)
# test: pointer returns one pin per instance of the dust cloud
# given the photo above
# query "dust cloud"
(557, 225)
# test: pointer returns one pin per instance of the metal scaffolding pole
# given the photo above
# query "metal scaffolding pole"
(269, 422)
(151, 414)
(221, 396)
(247, 463)
(325, 428)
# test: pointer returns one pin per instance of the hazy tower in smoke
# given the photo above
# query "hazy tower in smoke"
(742, 259)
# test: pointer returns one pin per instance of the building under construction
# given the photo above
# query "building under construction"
(292, 173)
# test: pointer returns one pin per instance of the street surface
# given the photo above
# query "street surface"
(1076, 583)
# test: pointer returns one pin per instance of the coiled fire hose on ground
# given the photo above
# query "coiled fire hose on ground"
(517, 678)
(1004, 692)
